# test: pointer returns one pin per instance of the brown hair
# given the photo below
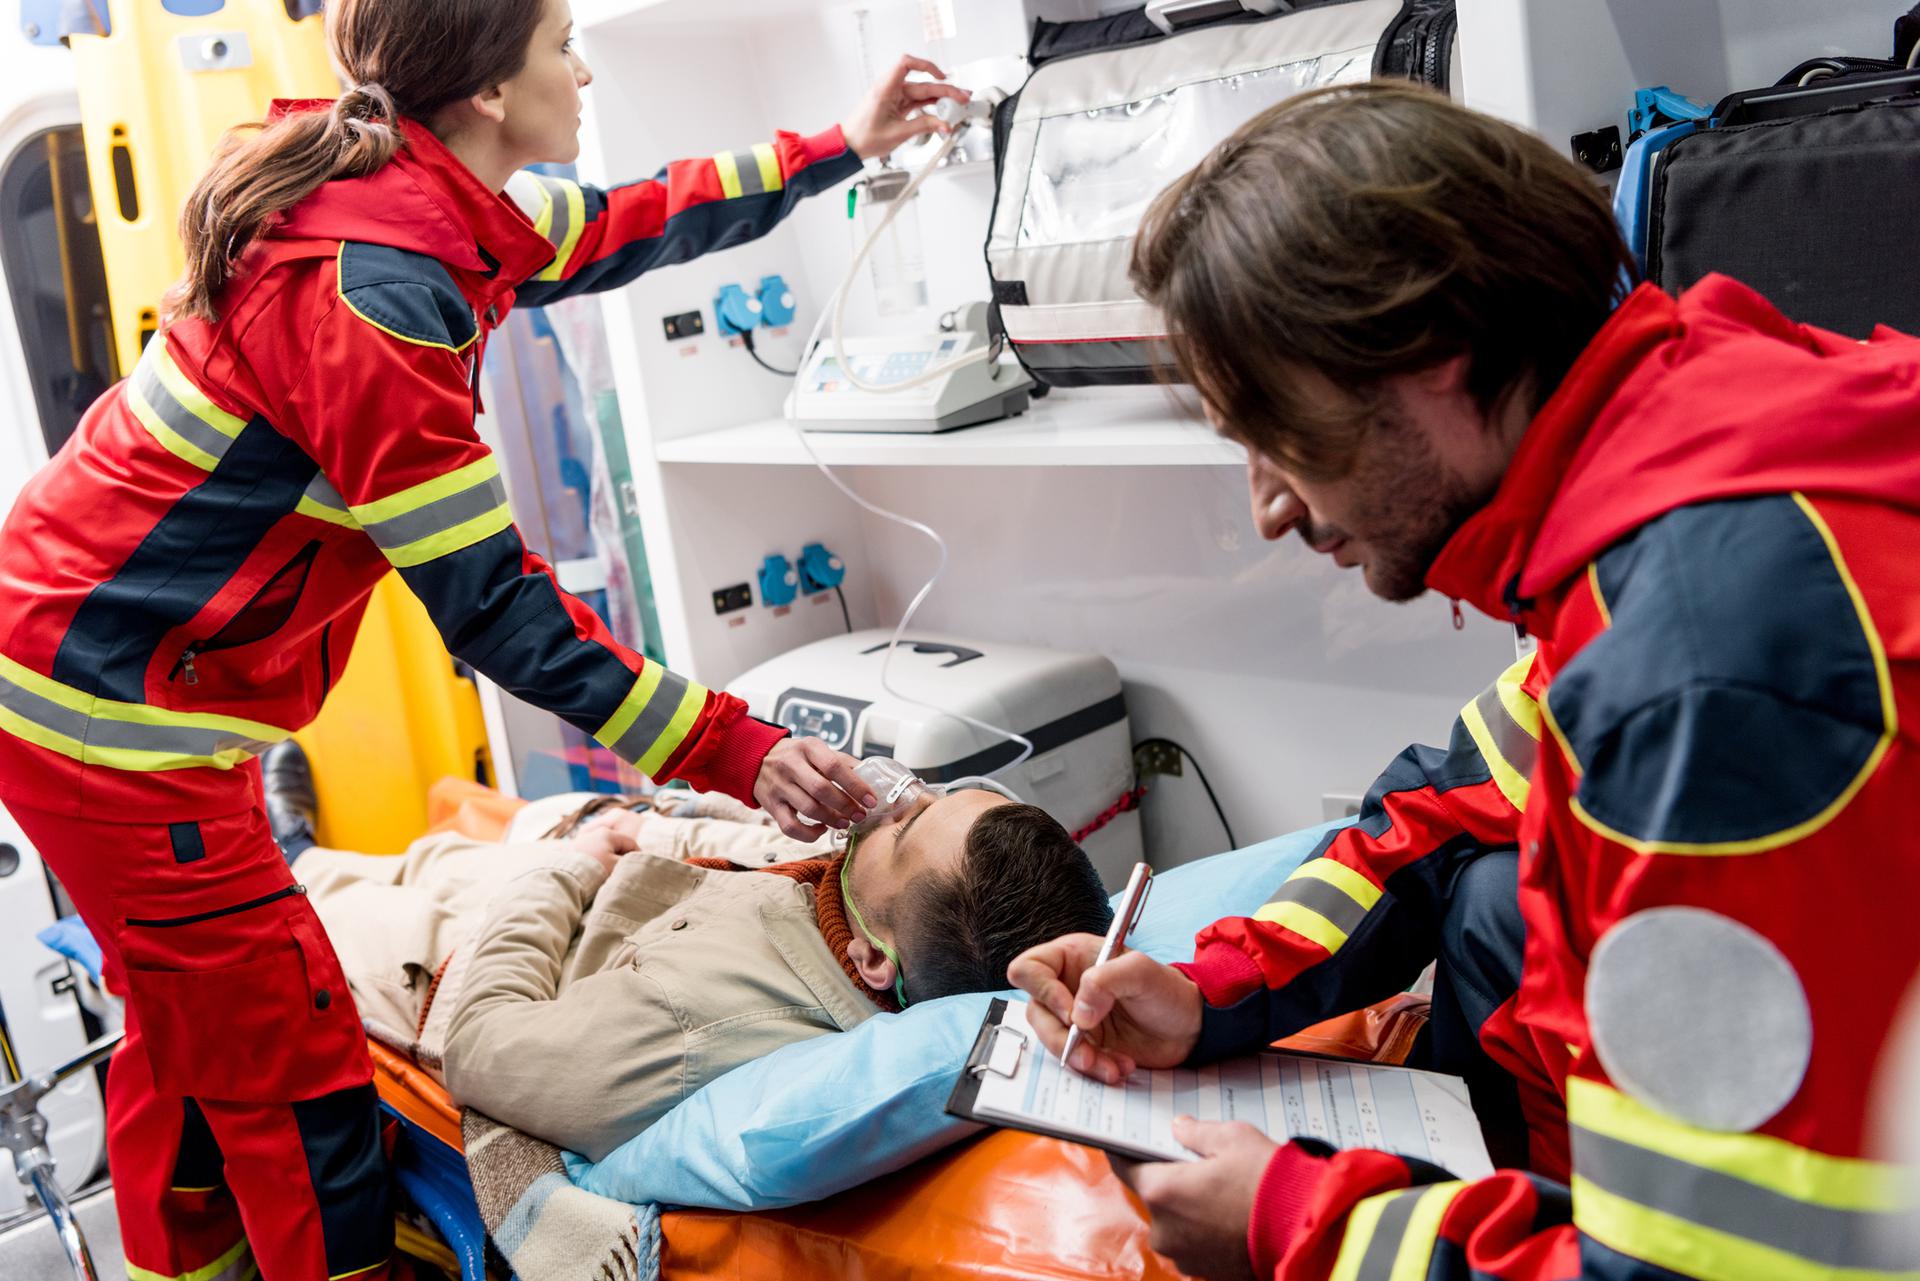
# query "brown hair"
(1021, 880)
(1357, 232)
(400, 58)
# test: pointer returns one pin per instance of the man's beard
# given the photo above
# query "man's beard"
(1418, 504)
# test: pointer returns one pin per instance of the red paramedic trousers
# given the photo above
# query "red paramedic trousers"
(242, 1124)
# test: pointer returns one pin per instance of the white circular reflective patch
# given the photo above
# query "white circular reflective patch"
(1699, 1016)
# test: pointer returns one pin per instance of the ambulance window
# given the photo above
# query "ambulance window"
(50, 252)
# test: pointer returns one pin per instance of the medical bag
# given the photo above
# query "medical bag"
(1115, 109)
(1069, 704)
(1803, 189)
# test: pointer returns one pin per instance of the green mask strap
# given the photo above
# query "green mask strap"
(846, 896)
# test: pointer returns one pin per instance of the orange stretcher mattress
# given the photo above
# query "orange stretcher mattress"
(1003, 1205)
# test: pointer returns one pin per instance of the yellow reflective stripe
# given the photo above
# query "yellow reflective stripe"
(319, 511)
(1670, 1242)
(235, 1256)
(170, 440)
(1423, 1230)
(1361, 1224)
(1519, 704)
(544, 223)
(448, 541)
(770, 176)
(1599, 599)
(1842, 1183)
(414, 497)
(1889, 711)
(624, 715)
(1304, 921)
(342, 1276)
(729, 172)
(190, 397)
(1513, 785)
(1341, 877)
(576, 223)
(676, 731)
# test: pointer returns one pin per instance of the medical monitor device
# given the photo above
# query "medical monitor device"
(825, 399)
(1070, 705)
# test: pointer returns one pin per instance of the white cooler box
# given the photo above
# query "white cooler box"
(1070, 705)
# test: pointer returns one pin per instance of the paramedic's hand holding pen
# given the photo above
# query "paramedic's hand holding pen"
(1128, 1013)
(808, 787)
(898, 110)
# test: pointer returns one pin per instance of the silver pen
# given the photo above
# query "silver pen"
(1131, 905)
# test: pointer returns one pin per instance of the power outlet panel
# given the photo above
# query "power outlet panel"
(1156, 756)
(728, 599)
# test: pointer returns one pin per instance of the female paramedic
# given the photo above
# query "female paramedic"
(181, 584)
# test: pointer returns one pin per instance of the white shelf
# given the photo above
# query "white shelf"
(1090, 427)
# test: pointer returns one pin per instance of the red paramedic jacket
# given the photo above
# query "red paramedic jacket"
(1711, 528)
(181, 584)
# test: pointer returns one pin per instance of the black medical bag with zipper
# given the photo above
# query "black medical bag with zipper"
(1114, 109)
(1805, 190)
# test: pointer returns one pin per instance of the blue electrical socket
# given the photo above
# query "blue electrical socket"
(776, 301)
(820, 569)
(779, 584)
(735, 311)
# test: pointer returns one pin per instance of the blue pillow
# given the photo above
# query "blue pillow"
(832, 1112)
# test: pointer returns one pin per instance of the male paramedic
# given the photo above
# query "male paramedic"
(1706, 515)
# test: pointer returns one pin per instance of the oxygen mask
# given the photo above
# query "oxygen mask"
(895, 788)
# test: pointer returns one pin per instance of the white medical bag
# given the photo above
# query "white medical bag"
(1069, 704)
(1119, 106)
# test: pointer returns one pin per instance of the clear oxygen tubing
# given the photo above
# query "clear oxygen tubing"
(833, 311)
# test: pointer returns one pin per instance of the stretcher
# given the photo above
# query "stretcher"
(1004, 1204)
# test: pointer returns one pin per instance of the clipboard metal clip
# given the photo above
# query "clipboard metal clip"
(999, 1060)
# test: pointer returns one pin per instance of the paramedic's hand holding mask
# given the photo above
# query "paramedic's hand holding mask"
(898, 110)
(1131, 1012)
(808, 787)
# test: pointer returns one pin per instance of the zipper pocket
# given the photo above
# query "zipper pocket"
(168, 922)
(266, 612)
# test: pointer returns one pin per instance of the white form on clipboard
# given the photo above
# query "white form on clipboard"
(1012, 1081)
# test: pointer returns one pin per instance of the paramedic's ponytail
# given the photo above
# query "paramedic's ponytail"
(264, 169)
(403, 58)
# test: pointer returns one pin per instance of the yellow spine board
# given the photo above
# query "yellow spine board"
(155, 97)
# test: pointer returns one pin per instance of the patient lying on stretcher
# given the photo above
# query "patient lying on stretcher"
(579, 983)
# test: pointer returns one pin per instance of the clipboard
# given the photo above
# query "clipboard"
(1011, 1081)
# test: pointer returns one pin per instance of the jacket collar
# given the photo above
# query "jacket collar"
(426, 201)
(1486, 560)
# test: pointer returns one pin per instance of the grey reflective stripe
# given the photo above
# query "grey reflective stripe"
(1519, 748)
(747, 165)
(43, 712)
(1821, 1234)
(437, 516)
(653, 718)
(93, 731)
(174, 414)
(562, 217)
(322, 494)
(1377, 1263)
(1330, 901)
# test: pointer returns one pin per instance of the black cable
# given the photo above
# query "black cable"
(1227, 827)
(843, 608)
(746, 338)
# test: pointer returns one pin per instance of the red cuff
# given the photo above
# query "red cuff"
(824, 145)
(730, 751)
(1280, 1206)
(1225, 974)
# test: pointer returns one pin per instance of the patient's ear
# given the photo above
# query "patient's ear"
(876, 971)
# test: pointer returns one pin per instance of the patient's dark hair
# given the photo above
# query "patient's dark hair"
(1021, 881)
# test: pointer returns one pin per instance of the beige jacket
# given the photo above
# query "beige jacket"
(585, 1011)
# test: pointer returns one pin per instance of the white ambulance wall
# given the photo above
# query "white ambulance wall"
(1562, 67)
(1279, 672)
